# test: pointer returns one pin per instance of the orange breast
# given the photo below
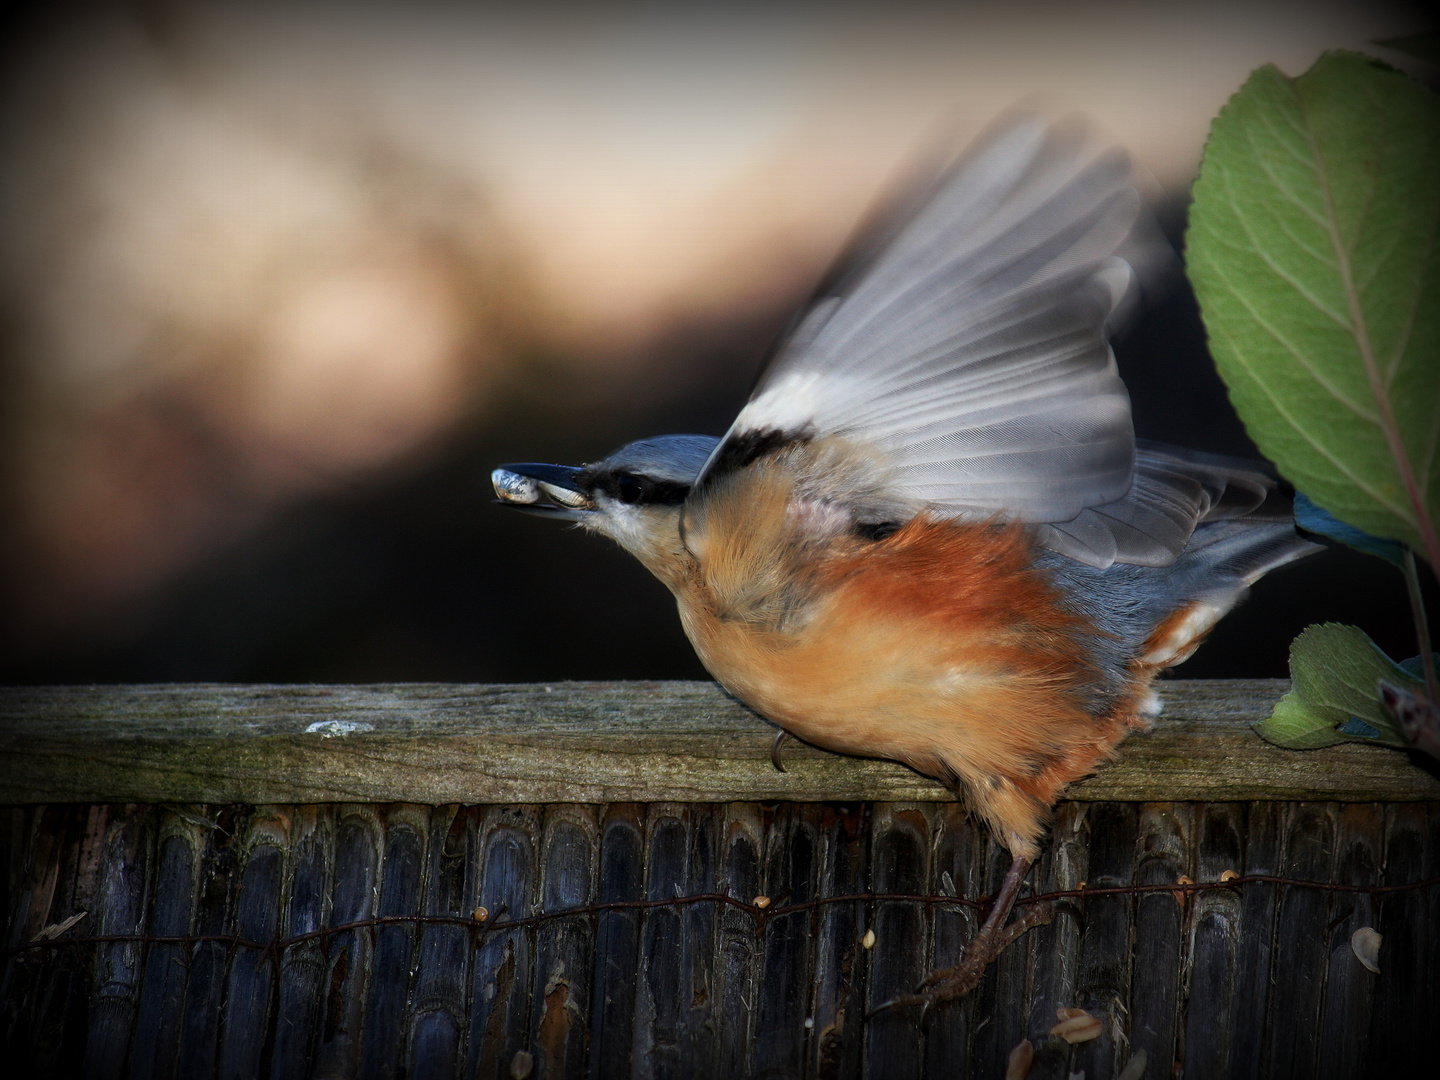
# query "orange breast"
(941, 646)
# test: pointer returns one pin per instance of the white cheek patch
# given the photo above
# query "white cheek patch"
(619, 521)
(1183, 637)
(645, 532)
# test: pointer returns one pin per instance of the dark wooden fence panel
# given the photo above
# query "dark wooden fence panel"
(1256, 979)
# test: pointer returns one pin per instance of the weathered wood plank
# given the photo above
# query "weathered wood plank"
(701, 927)
(62, 1001)
(504, 964)
(302, 967)
(1002, 999)
(737, 950)
(958, 863)
(46, 834)
(442, 968)
(40, 843)
(1106, 950)
(1163, 856)
(1349, 987)
(659, 1005)
(205, 989)
(15, 830)
(564, 948)
(402, 886)
(162, 993)
(1309, 853)
(617, 943)
(1214, 943)
(1256, 945)
(358, 846)
(1400, 1018)
(791, 870)
(899, 863)
(123, 904)
(1430, 867)
(585, 742)
(257, 918)
(838, 1002)
(1064, 862)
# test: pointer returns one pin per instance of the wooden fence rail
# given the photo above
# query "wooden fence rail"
(195, 954)
(586, 742)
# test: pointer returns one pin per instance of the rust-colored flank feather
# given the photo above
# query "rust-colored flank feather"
(942, 646)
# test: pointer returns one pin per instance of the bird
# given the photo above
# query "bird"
(931, 534)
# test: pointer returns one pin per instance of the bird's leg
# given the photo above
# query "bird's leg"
(992, 937)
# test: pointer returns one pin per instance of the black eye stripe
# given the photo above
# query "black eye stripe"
(636, 489)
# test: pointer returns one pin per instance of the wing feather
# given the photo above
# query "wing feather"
(970, 356)
(972, 349)
(1174, 492)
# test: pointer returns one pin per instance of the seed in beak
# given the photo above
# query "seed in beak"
(564, 496)
(514, 488)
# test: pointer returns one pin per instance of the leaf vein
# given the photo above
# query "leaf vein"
(1280, 186)
(1300, 358)
(1278, 402)
(1418, 517)
(1402, 342)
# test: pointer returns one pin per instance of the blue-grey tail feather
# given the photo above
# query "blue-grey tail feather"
(1127, 603)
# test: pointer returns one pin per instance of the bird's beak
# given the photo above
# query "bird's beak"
(547, 490)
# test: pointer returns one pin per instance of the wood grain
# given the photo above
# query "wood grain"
(1257, 980)
(586, 742)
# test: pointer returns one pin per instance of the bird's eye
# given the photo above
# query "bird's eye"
(629, 489)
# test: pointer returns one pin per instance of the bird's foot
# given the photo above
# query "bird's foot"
(988, 942)
(951, 984)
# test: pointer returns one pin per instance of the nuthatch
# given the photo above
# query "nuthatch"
(931, 535)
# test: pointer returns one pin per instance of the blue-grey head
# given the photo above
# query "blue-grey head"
(633, 496)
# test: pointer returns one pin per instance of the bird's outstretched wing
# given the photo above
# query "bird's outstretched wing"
(1173, 491)
(971, 354)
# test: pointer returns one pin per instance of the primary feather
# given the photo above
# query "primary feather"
(971, 355)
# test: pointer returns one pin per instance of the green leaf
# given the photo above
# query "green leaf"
(1295, 726)
(1337, 671)
(1312, 249)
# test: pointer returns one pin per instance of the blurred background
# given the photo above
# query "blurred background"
(281, 283)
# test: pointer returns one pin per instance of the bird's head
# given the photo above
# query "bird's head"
(633, 496)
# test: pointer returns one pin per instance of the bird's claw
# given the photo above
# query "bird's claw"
(780, 737)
